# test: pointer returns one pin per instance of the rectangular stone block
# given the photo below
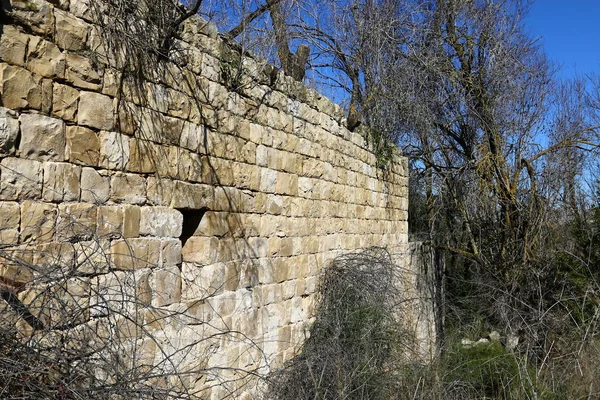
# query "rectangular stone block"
(9, 215)
(38, 221)
(77, 221)
(20, 89)
(136, 253)
(61, 182)
(45, 58)
(114, 150)
(42, 137)
(201, 250)
(9, 130)
(110, 221)
(20, 179)
(96, 111)
(131, 222)
(95, 186)
(13, 45)
(171, 252)
(81, 73)
(166, 286)
(128, 188)
(64, 102)
(83, 146)
(160, 222)
(71, 32)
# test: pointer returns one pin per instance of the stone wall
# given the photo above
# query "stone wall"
(221, 200)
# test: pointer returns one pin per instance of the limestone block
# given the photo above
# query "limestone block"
(10, 215)
(61, 182)
(42, 137)
(193, 137)
(64, 103)
(131, 254)
(37, 15)
(95, 110)
(275, 205)
(112, 79)
(38, 221)
(160, 222)
(213, 224)
(166, 286)
(192, 196)
(13, 45)
(21, 179)
(9, 130)
(9, 237)
(45, 58)
(20, 88)
(120, 292)
(110, 221)
(146, 156)
(286, 184)
(83, 146)
(128, 188)
(76, 221)
(114, 150)
(81, 73)
(131, 221)
(268, 180)
(54, 259)
(84, 9)
(71, 32)
(201, 282)
(95, 187)
(201, 250)
(246, 176)
(171, 251)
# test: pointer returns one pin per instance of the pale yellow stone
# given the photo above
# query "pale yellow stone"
(128, 188)
(38, 221)
(20, 88)
(83, 146)
(42, 137)
(45, 58)
(96, 111)
(81, 73)
(95, 187)
(131, 221)
(61, 182)
(71, 33)
(114, 150)
(76, 221)
(9, 215)
(21, 179)
(110, 221)
(160, 222)
(37, 15)
(9, 130)
(136, 253)
(64, 104)
(13, 44)
(166, 286)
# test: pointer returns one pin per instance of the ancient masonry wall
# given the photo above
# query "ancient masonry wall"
(222, 198)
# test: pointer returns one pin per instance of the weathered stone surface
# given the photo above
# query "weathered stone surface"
(21, 179)
(61, 182)
(42, 137)
(161, 222)
(128, 188)
(13, 44)
(10, 215)
(166, 286)
(20, 88)
(81, 73)
(131, 223)
(83, 146)
(95, 187)
(9, 130)
(95, 110)
(71, 33)
(64, 103)
(37, 15)
(137, 253)
(45, 58)
(38, 221)
(114, 150)
(76, 221)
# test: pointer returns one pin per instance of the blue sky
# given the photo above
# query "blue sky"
(569, 30)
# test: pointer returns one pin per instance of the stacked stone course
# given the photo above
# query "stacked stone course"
(105, 181)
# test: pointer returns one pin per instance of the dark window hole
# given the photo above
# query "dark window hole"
(191, 221)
